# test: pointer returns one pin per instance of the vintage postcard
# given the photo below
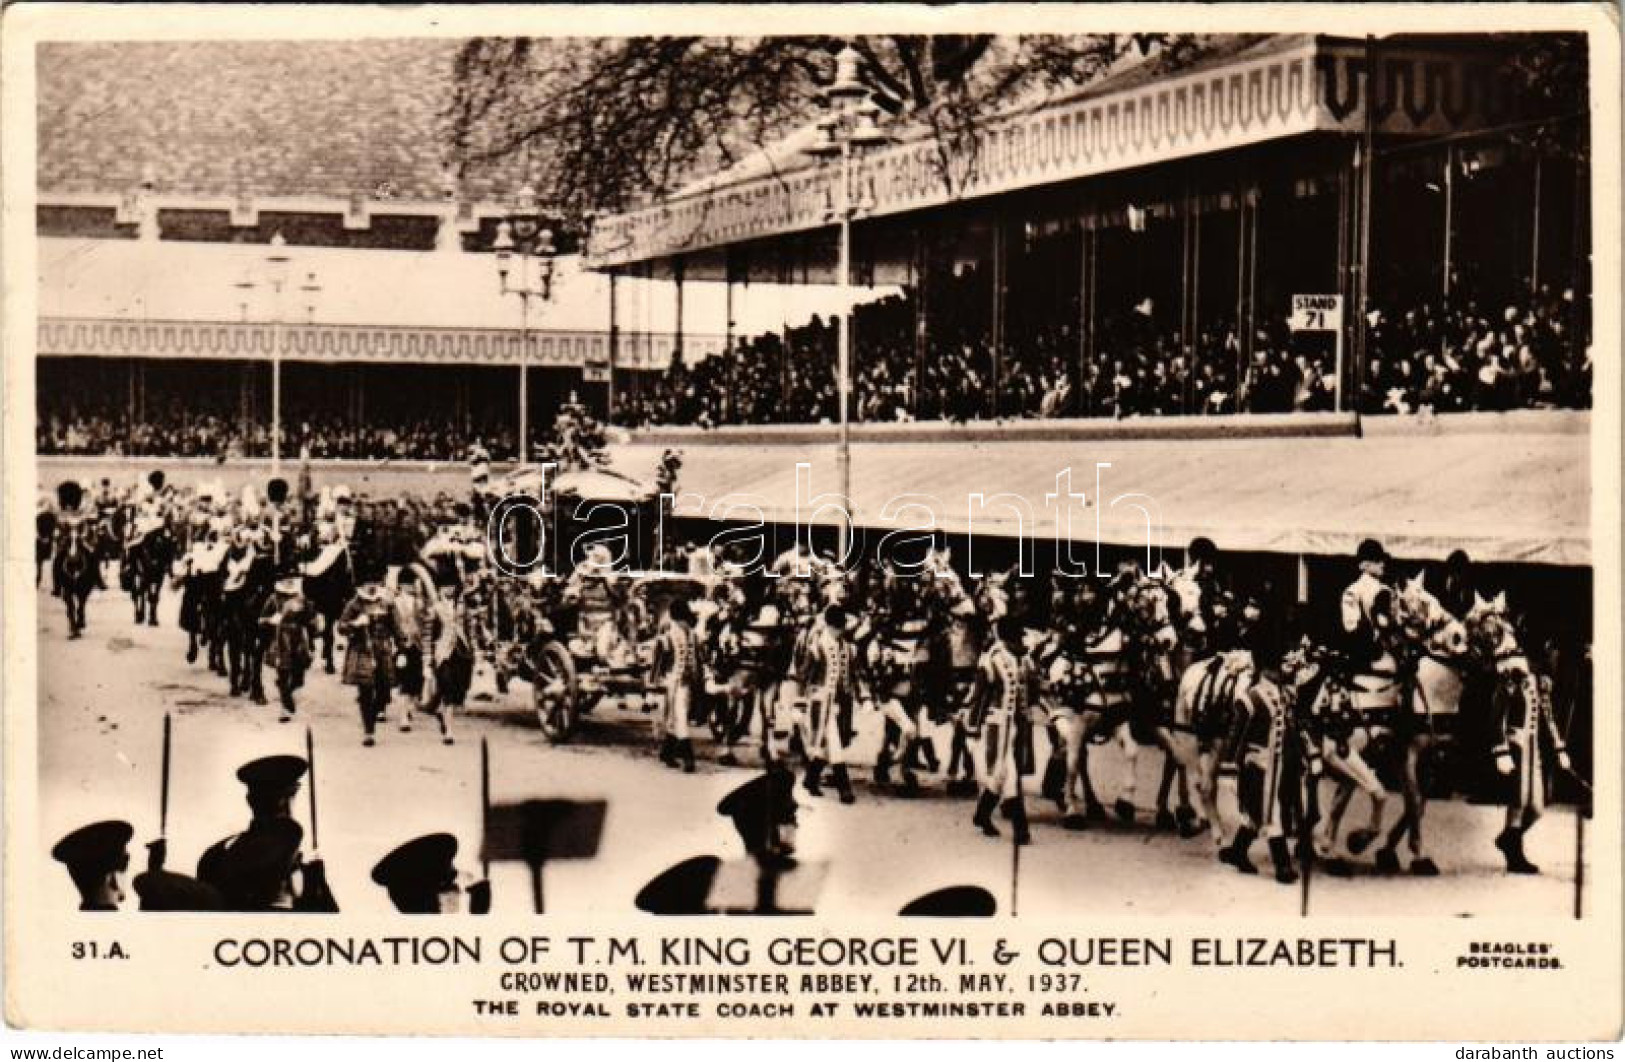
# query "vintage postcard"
(1030, 521)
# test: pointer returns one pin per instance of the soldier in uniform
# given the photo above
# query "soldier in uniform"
(96, 855)
(44, 541)
(1270, 763)
(768, 882)
(291, 629)
(677, 662)
(898, 652)
(1529, 739)
(1000, 700)
(421, 877)
(262, 868)
(829, 690)
(369, 654)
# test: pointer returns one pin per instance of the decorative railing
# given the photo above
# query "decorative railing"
(1316, 85)
(225, 340)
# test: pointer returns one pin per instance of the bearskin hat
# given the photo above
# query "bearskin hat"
(276, 491)
(155, 479)
(69, 494)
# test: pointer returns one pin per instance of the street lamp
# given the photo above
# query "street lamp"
(523, 233)
(847, 130)
(277, 265)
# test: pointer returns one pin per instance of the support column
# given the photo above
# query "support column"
(1449, 218)
(728, 399)
(1000, 265)
(677, 273)
(1534, 232)
(921, 267)
(614, 344)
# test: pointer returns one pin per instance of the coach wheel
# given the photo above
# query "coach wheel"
(557, 692)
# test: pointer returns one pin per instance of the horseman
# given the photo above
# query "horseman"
(249, 577)
(74, 568)
(200, 572)
(109, 531)
(146, 549)
(1360, 713)
(329, 582)
(998, 714)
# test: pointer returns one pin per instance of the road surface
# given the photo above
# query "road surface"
(103, 698)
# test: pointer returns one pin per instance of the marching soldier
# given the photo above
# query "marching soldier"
(262, 868)
(292, 626)
(96, 855)
(999, 704)
(369, 654)
(1529, 741)
(677, 661)
(829, 691)
(1267, 785)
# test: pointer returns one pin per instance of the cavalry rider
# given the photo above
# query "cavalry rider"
(677, 663)
(255, 870)
(829, 685)
(1367, 612)
(998, 715)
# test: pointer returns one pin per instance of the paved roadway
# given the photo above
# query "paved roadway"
(103, 698)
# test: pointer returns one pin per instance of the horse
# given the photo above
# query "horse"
(146, 559)
(1107, 679)
(329, 585)
(74, 573)
(1439, 652)
(198, 575)
(247, 586)
(1353, 726)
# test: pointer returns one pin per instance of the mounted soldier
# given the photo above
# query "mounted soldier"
(74, 567)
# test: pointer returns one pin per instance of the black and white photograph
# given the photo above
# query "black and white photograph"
(1021, 476)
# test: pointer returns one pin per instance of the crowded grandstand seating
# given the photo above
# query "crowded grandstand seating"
(174, 432)
(1424, 357)
(1464, 357)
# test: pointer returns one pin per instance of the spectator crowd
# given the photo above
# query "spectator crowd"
(1467, 355)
